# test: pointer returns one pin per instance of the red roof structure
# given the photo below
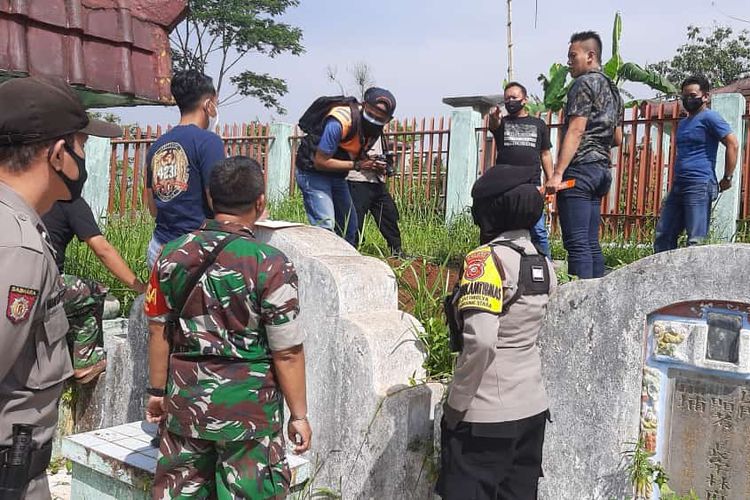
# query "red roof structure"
(115, 52)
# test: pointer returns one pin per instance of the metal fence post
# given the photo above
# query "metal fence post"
(462, 161)
(724, 218)
(279, 160)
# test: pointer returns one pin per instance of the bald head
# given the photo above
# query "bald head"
(584, 53)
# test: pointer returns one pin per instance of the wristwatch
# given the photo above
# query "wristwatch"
(153, 391)
(728, 177)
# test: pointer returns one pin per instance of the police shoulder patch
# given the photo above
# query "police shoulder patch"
(20, 303)
(481, 285)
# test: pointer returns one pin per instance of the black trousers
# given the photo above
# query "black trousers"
(492, 461)
(374, 197)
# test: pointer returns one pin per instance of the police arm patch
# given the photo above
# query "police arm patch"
(481, 285)
(21, 301)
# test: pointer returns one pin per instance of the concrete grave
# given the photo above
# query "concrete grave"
(118, 395)
(372, 429)
(373, 432)
(659, 350)
(118, 463)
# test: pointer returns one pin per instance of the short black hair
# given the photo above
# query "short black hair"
(236, 184)
(698, 80)
(516, 84)
(589, 35)
(18, 157)
(190, 87)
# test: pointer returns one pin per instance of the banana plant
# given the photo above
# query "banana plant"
(556, 86)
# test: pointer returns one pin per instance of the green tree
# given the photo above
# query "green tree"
(556, 83)
(229, 30)
(721, 56)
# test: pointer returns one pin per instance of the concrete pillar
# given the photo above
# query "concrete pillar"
(725, 213)
(96, 190)
(462, 161)
(279, 162)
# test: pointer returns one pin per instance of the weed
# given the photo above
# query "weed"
(130, 236)
(644, 473)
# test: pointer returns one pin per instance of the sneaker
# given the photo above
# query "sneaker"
(83, 376)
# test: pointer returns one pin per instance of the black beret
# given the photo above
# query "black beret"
(501, 179)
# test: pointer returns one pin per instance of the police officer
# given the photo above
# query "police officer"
(496, 410)
(43, 128)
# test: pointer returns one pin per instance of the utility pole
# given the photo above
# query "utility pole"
(510, 44)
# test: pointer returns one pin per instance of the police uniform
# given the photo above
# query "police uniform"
(496, 411)
(34, 359)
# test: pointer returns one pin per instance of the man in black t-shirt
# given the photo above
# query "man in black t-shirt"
(523, 140)
(84, 298)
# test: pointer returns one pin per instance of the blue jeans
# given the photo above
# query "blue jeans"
(328, 203)
(688, 207)
(539, 235)
(579, 209)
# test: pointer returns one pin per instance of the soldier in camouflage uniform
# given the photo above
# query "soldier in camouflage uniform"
(84, 307)
(217, 378)
(84, 298)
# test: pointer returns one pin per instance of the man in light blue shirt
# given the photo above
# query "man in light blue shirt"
(694, 186)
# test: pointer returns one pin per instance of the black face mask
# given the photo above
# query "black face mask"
(692, 104)
(74, 186)
(514, 106)
(370, 129)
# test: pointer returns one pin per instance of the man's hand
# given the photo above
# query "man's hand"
(372, 165)
(495, 117)
(725, 184)
(300, 434)
(138, 287)
(553, 183)
(155, 411)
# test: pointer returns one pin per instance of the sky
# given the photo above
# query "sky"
(424, 50)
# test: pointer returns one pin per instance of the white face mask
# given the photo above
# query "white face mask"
(213, 121)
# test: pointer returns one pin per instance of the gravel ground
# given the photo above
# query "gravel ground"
(59, 484)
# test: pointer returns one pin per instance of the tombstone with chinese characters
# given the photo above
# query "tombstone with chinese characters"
(658, 351)
(695, 414)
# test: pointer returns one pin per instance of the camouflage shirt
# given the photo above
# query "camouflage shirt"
(594, 96)
(221, 385)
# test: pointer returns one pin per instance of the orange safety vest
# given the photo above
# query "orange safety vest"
(343, 114)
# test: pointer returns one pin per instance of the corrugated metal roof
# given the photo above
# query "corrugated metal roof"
(117, 50)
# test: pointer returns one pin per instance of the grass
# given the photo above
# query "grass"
(130, 236)
(424, 235)
(421, 221)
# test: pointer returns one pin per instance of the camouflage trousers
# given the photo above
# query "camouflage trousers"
(198, 468)
(84, 306)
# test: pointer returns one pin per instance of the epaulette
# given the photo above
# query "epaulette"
(18, 230)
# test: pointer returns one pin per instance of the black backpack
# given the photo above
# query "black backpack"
(312, 122)
(533, 279)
